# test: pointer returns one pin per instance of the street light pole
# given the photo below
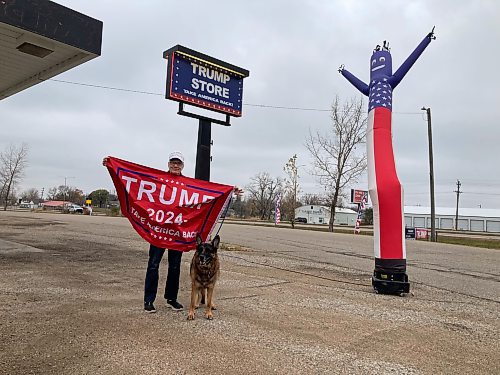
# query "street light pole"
(431, 175)
(458, 196)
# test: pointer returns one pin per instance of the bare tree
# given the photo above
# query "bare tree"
(312, 200)
(13, 161)
(75, 195)
(66, 193)
(30, 195)
(52, 193)
(263, 190)
(337, 158)
(292, 188)
(239, 207)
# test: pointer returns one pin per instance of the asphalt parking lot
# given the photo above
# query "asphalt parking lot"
(289, 302)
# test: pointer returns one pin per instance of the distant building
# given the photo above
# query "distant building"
(314, 214)
(25, 204)
(473, 219)
(53, 205)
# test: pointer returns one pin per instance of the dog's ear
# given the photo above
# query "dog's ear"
(199, 241)
(215, 242)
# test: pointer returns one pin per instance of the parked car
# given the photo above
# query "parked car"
(301, 220)
(75, 209)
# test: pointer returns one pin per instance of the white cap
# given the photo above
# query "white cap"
(176, 155)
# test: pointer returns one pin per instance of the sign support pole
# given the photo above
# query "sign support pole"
(202, 170)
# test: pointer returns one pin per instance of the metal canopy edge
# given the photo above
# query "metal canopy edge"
(40, 39)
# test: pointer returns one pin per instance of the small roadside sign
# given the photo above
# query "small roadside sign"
(410, 233)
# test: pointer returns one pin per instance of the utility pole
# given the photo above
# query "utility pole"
(64, 193)
(458, 196)
(431, 175)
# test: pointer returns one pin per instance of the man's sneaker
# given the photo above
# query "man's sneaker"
(149, 307)
(174, 305)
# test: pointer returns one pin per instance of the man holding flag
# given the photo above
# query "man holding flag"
(168, 210)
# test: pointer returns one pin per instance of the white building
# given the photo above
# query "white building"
(473, 219)
(25, 204)
(315, 214)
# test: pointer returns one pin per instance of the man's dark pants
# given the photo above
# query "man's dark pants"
(174, 270)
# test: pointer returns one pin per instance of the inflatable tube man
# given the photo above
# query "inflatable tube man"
(385, 189)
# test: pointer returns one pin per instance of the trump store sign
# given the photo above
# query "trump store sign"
(204, 81)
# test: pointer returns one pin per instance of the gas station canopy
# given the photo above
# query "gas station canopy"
(40, 39)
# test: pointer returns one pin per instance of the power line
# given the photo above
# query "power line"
(449, 192)
(245, 104)
(445, 181)
(427, 193)
(104, 87)
(291, 108)
(470, 180)
(474, 193)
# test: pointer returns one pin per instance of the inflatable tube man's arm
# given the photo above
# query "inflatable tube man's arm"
(405, 67)
(355, 81)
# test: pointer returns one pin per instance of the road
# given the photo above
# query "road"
(289, 302)
(459, 269)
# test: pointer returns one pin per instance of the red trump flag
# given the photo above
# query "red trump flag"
(165, 209)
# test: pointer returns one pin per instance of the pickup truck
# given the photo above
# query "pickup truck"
(75, 209)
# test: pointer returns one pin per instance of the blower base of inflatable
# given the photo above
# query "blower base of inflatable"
(390, 283)
(389, 276)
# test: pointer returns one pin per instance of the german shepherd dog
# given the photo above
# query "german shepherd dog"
(204, 273)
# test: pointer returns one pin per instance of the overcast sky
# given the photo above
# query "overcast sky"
(293, 50)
